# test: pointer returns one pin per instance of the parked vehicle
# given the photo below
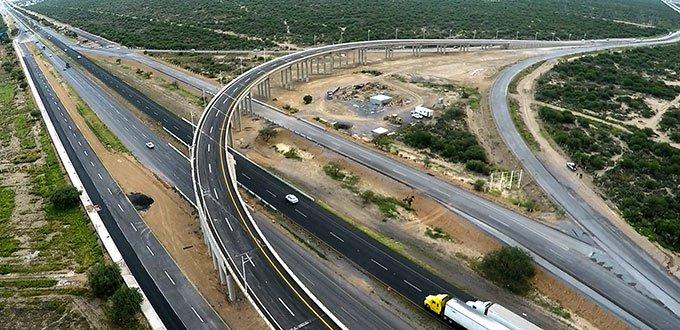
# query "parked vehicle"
(572, 166)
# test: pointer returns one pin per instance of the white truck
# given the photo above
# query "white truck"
(502, 315)
(455, 311)
(422, 111)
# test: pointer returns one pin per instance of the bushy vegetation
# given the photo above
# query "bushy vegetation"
(614, 84)
(195, 24)
(638, 174)
(8, 244)
(223, 67)
(65, 197)
(125, 304)
(449, 138)
(510, 268)
(670, 123)
(104, 280)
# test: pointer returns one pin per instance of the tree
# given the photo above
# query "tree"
(65, 197)
(104, 280)
(479, 184)
(509, 267)
(267, 133)
(307, 99)
(125, 304)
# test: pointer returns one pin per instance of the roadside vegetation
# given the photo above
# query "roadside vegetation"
(105, 136)
(614, 84)
(641, 176)
(389, 206)
(46, 240)
(257, 24)
(510, 268)
(222, 67)
(448, 137)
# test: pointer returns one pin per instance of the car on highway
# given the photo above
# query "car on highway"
(292, 199)
(150, 145)
(79, 57)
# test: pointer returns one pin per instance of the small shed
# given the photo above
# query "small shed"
(423, 111)
(380, 131)
(380, 99)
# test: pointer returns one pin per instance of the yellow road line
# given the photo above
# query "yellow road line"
(242, 218)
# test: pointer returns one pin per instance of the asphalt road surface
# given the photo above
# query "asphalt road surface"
(551, 238)
(175, 300)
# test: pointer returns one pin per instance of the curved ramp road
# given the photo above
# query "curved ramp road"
(616, 244)
(626, 302)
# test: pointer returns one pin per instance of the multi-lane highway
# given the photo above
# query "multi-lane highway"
(176, 301)
(573, 253)
(356, 309)
(628, 302)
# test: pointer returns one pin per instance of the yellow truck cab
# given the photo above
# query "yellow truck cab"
(436, 303)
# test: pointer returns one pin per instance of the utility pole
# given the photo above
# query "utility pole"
(315, 40)
(536, 36)
(450, 33)
(369, 35)
(474, 34)
(423, 29)
(553, 39)
(496, 34)
(517, 36)
(396, 30)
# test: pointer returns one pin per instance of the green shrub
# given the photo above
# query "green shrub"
(477, 166)
(104, 280)
(510, 268)
(125, 304)
(307, 99)
(65, 197)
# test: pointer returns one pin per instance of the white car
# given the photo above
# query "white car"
(79, 57)
(292, 199)
(150, 145)
(572, 166)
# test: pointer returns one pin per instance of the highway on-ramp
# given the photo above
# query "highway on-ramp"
(539, 238)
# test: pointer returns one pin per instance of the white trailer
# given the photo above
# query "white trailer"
(423, 111)
(455, 311)
(502, 315)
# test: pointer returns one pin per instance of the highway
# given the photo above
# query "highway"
(529, 234)
(176, 301)
(606, 288)
(644, 270)
(576, 257)
(357, 310)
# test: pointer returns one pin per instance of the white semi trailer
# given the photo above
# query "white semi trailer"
(454, 311)
(502, 315)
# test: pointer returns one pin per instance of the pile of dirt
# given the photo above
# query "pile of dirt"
(140, 201)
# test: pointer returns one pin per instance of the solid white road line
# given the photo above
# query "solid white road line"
(377, 263)
(195, 312)
(170, 278)
(148, 248)
(228, 224)
(336, 236)
(302, 214)
(284, 305)
(413, 286)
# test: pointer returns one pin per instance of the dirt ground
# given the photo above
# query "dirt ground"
(550, 153)
(465, 245)
(170, 218)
